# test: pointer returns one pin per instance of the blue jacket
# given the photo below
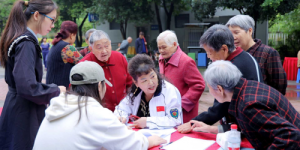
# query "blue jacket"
(139, 46)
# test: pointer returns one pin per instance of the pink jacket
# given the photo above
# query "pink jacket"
(181, 71)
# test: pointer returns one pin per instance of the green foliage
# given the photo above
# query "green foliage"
(123, 11)
(286, 23)
(5, 6)
(203, 8)
(260, 10)
(74, 10)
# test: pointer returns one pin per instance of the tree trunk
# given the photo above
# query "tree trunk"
(76, 41)
(255, 18)
(169, 13)
(123, 32)
(123, 28)
(79, 41)
(158, 18)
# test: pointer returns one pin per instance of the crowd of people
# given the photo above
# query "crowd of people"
(91, 95)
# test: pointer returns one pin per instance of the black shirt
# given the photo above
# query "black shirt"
(143, 110)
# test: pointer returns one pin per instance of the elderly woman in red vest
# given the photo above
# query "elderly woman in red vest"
(180, 70)
(114, 65)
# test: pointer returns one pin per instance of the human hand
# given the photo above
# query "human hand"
(185, 128)
(145, 43)
(62, 89)
(122, 119)
(202, 127)
(155, 141)
(140, 123)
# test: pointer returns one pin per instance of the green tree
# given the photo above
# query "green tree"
(75, 10)
(259, 10)
(287, 23)
(122, 12)
(5, 6)
(171, 7)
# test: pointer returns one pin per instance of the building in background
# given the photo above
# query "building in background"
(186, 27)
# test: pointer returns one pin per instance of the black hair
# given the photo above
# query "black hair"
(84, 91)
(42, 40)
(139, 65)
(17, 22)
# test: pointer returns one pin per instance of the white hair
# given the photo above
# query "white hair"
(88, 32)
(245, 22)
(98, 35)
(222, 73)
(169, 37)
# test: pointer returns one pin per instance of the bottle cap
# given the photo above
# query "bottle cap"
(234, 126)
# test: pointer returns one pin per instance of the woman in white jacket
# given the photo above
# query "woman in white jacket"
(156, 102)
(77, 120)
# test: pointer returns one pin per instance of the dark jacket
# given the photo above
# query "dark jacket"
(26, 100)
(265, 116)
(139, 46)
(58, 72)
(250, 70)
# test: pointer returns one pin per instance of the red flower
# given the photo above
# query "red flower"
(76, 54)
(70, 60)
(64, 50)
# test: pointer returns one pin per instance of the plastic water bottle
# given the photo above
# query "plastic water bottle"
(234, 138)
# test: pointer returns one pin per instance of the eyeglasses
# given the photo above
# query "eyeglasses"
(52, 20)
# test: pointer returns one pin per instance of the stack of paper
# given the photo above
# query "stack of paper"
(189, 143)
(163, 133)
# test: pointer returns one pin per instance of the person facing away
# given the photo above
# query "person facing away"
(141, 44)
(20, 54)
(123, 48)
(45, 49)
(87, 49)
(78, 120)
(63, 55)
(114, 65)
(156, 101)
(242, 28)
(265, 116)
(180, 70)
(218, 42)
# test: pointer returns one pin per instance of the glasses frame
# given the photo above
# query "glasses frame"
(52, 20)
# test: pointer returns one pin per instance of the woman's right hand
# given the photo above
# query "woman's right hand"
(62, 89)
(155, 141)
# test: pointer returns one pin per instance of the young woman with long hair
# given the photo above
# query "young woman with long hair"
(20, 54)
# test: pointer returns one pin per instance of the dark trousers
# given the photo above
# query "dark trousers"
(45, 53)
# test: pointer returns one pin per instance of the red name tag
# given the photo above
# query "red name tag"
(160, 108)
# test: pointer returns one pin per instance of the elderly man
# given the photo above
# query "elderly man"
(124, 46)
(242, 28)
(180, 70)
(87, 49)
(264, 115)
(218, 43)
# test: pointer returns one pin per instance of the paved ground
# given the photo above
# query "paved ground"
(206, 100)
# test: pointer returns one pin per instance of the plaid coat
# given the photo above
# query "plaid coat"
(265, 116)
(270, 64)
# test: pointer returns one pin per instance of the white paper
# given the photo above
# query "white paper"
(189, 143)
(159, 132)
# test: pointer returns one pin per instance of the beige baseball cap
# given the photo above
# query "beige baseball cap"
(91, 73)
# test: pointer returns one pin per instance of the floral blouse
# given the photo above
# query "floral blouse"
(70, 54)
